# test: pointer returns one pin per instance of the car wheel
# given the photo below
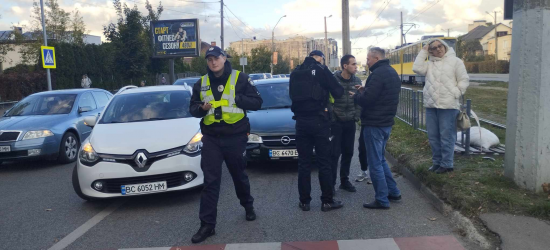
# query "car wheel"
(68, 150)
(76, 186)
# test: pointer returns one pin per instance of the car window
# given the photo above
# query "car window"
(87, 100)
(101, 98)
(138, 107)
(256, 77)
(274, 95)
(189, 81)
(52, 104)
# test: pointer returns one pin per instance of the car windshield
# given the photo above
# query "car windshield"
(189, 81)
(256, 77)
(274, 95)
(149, 106)
(52, 104)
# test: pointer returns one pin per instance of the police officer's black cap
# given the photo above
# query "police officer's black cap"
(317, 53)
(214, 51)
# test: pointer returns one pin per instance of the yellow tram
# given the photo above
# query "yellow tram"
(402, 59)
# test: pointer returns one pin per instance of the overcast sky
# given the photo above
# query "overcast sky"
(245, 18)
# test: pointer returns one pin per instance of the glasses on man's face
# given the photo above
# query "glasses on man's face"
(437, 47)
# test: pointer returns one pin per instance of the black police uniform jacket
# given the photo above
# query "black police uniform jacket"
(380, 98)
(327, 81)
(247, 97)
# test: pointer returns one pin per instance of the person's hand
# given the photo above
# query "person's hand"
(360, 88)
(206, 106)
(351, 93)
(426, 47)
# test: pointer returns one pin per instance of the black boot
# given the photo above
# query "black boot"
(304, 206)
(394, 198)
(443, 170)
(433, 168)
(332, 205)
(250, 214)
(203, 233)
(346, 185)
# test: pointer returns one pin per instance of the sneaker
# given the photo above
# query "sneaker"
(394, 198)
(348, 187)
(305, 207)
(374, 205)
(443, 170)
(331, 206)
(434, 168)
(362, 176)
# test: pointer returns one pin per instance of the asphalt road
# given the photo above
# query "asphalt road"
(38, 208)
(489, 77)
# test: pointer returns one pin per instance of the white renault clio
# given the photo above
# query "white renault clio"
(146, 141)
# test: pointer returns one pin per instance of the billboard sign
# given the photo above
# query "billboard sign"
(175, 38)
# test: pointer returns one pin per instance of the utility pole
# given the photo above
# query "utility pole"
(45, 42)
(242, 51)
(221, 37)
(401, 26)
(496, 40)
(273, 43)
(448, 32)
(345, 28)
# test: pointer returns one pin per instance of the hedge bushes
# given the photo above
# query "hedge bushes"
(15, 85)
(502, 67)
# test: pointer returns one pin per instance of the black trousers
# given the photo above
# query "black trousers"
(313, 132)
(343, 142)
(215, 151)
(363, 152)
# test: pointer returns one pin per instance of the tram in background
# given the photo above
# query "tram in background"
(402, 58)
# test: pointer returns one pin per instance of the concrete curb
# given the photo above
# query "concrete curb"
(459, 220)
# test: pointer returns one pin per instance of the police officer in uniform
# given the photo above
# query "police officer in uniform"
(221, 99)
(311, 86)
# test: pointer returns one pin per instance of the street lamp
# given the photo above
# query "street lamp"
(273, 43)
(326, 41)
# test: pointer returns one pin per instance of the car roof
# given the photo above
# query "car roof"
(153, 89)
(67, 91)
(271, 80)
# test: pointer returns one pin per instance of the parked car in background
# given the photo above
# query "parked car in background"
(273, 135)
(49, 124)
(276, 76)
(281, 75)
(254, 77)
(287, 75)
(268, 76)
(145, 142)
(190, 81)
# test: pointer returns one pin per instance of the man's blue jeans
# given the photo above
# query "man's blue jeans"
(380, 173)
(441, 125)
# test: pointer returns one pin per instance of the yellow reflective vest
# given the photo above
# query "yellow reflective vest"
(230, 112)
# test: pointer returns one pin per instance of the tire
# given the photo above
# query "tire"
(68, 148)
(76, 186)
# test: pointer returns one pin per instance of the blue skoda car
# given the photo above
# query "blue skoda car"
(50, 124)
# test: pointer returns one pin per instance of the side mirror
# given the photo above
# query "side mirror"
(90, 121)
(84, 109)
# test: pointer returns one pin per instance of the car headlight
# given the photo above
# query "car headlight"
(254, 138)
(194, 145)
(37, 134)
(87, 155)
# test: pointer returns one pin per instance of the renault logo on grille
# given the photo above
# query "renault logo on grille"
(285, 140)
(141, 160)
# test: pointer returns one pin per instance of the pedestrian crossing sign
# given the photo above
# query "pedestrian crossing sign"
(48, 57)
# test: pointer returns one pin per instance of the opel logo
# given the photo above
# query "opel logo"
(285, 140)
(141, 160)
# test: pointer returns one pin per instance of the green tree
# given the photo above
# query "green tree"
(283, 65)
(466, 50)
(235, 60)
(78, 29)
(198, 64)
(6, 45)
(260, 60)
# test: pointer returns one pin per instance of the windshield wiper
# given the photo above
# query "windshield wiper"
(278, 107)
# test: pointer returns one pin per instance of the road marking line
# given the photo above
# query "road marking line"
(77, 233)
(254, 246)
(370, 244)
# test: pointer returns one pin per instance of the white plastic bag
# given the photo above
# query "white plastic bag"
(482, 137)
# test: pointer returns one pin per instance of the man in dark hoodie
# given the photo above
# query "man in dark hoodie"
(346, 114)
(379, 99)
(221, 99)
(310, 85)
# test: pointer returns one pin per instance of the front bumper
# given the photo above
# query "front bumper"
(116, 174)
(48, 148)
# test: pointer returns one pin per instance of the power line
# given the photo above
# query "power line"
(241, 21)
(425, 9)
(379, 14)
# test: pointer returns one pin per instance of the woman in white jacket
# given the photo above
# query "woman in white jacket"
(446, 82)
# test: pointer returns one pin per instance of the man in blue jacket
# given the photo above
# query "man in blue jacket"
(378, 100)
